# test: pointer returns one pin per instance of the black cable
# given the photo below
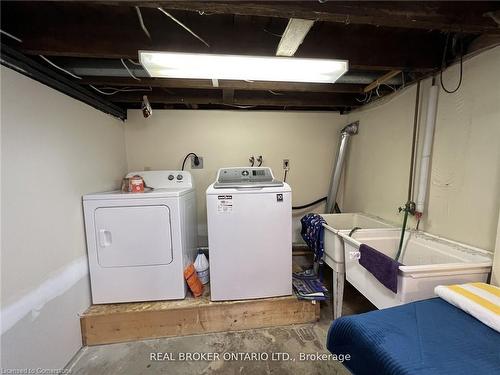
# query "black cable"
(187, 156)
(286, 173)
(309, 204)
(443, 66)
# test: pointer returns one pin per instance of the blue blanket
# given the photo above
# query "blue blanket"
(424, 337)
(313, 234)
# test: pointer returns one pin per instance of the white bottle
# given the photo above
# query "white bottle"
(201, 266)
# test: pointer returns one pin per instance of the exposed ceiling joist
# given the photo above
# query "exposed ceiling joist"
(31, 68)
(243, 99)
(226, 84)
(89, 38)
(381, 80)
(92, 31)
(427, 15)
(228, 96)
(293, 36)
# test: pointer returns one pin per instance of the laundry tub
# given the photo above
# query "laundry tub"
(334, 247)
(427, 261)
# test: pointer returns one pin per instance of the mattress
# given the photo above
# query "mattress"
(424, 337)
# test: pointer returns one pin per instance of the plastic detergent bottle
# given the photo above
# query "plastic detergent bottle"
(201, 265)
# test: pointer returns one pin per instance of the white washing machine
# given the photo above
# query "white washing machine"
(249, 234)
(139, 243)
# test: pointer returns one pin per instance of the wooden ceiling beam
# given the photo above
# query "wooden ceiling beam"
(466, 16)
(346, 88)
(293, 36)
(92, 31)
(228, 96)
(381, 80)
(318, 100)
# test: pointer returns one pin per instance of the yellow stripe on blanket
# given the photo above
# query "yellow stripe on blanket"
(475, 298)
(480, 300)
(488, 288)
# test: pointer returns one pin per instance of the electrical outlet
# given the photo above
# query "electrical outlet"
(199, 166)
(286, 164)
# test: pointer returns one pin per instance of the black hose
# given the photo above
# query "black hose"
(414, 144)
(354, 230)
(187, 156)
(309, 204)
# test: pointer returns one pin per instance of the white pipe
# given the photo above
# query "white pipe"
(430, 125)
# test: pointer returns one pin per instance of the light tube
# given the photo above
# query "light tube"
(241, 67)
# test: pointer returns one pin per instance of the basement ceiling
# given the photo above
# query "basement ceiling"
(405, 41)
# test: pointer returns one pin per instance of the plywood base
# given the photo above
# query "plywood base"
(105, 324)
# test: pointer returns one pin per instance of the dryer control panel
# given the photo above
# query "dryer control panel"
(243, 177)
(165, 179)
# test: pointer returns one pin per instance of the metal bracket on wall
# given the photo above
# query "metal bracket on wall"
(22, 64)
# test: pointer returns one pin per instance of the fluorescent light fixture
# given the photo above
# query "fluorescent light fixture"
(240, 67)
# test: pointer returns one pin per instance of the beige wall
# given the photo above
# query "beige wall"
(54, 150)
(464, 192)
(228, 138)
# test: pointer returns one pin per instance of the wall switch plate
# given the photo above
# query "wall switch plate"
(199, 166)
(286, 164)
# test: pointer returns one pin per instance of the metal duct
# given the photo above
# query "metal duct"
(345, 134)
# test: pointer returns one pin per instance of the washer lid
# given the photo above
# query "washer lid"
(148, 193)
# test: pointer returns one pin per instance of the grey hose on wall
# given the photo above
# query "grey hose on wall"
(345, 134)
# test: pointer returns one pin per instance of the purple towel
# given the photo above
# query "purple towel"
(384, 268)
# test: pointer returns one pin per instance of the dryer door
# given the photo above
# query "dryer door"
(133, 236)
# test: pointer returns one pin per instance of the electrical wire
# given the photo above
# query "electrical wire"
(367, 97)
(275, 93)
(183, 26)
(133, 62)
(286, 174)
(443, 66)
(58, 67)
(128, 70)
(11, 36)
(141, 22)
(187, 156)
(391, 87)
(310, 204)
(271, 33)
(239, 106)
(116, 90)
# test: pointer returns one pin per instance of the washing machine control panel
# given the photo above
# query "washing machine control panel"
(246, 177)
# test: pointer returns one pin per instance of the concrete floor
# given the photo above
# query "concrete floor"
(134, 357)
